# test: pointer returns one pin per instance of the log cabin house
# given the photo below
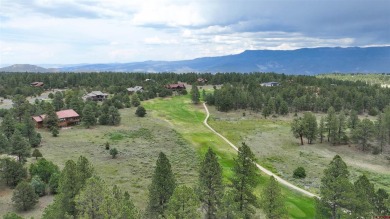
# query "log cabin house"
(65, 118)
(176, 87)
(37, 84)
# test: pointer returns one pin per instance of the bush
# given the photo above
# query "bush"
(53, 183)
(113, 152)
(140, 112)
(299, 173)
(36, 153)
(12, 215)
(24, 197)
(38, 185)
(376, 151)
(107, 146)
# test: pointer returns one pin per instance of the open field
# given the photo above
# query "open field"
(276, 148)
(187, 120)
(381, 79)
(139, 140)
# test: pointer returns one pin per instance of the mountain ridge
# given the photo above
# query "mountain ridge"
(309, 61)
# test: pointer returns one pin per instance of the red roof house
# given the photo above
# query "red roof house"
(37, 84)
(65, 118)
(176, 87)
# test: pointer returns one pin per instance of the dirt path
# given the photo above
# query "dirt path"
(280, 180)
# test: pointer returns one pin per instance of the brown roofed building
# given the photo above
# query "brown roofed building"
(65, 118)
(37, 84)
(176, 87)
(96, 96)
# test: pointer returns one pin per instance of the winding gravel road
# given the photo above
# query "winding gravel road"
(280, 180)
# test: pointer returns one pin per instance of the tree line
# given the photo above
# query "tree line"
(345, 127)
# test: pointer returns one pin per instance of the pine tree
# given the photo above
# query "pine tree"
(38, 185)
(58, 102)
(24, 196)
(353, 119)
(195, 96)
(229, 208)
(135, 101)
(114, 118)
(273, 201)
(245, 181)
(362, 205)
(380, 130)
(321, 129)
(283, 108)
(20, 146)
(331, 125)
(90, 200)
(184, 203)
(140, 112)
(103, 118)
(5, 146)
(341, 126)
(298, 128)
(36, 153)
(8, 125)
(310, 127)
(20, 106)
(380, 202)
(335, 189)
(162, 187)
(12, 172)
(44, 169)
(210, 184)
(51, 119)
(363, 133)
(89, 118)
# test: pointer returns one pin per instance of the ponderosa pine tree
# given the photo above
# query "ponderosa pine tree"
(336, 190)
(341, 128)
(51, 119)
(362, 204)
(229, 208)
(310, 128)
(12, 172)
(89, 118)
(210, 184)
(298, 128)
(381, 131)
(24, 196)
(321, 129)
(184, 203)
(20, 146)
(382, 202)
(28, 131)
(353, 119)
(20, 106)
(363, 133)
(273, 201)
(58, 102)
(195, 96)
(5, 146)
(90, 199)
(162, 187)
(8, 125)
(114, 118)
(245, 180)
(135, 101)
(36, 153)
(331, 125)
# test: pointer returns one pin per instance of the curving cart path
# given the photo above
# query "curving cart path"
(280, 180)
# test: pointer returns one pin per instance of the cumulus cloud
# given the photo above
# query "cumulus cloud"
(74, 31)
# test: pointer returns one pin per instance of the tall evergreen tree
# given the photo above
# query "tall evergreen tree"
(5, 146)
(321, 129)
(114, 118)
(135, 101)
(29, 132)
(162, 187)
(20, 146)
(380, 202)
(362, 205)
(335, 189)
(51, 119)
(310, 128)
(229, 208)
(8, 125)
(210, 184)
(353, 119)
(24, 196)
(58, 102)
(331, 125)
(363, 133)
(245, 181)
(298, 128)
(20, 106)
(12, 172)
(89, 202)
(273, 201)
(89, 118)
(195, 96)
(341, 128)
(184, 203)
(381, 131)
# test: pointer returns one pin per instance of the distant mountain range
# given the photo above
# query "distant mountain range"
(306, 61)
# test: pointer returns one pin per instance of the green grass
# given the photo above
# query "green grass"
(187, 119)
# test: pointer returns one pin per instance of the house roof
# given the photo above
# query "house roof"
(69, 113)
(175, 86)
(37, 84)
(135, 89)
(63, 114)
(99, 93)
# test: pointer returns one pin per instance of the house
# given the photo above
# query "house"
(202, 80)
(135, 89)
(95, 96)
(270, 84)
(176, 87)
(37, 84)
(65, 118)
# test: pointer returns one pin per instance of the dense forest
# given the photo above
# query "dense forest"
(80, 193)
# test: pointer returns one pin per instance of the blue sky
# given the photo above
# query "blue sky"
(106, 31)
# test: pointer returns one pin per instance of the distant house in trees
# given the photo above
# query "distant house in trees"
(270, 84)
(65, 118)
(37, 84)
(202, 80)
(95, 96)
(176, 87)
(135, 89)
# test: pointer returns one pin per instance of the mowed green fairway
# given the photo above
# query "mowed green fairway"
(187, 119)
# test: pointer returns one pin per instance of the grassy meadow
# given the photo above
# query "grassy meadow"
(275, 147)
(381, 79)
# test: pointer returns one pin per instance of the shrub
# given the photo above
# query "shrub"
(113, 152)
(36, 153)
(107, 146)
(12, 215)
(140, 112)
(299, 173)
(24, 196)
(38, 185)
(53, 183)
(376, 151)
